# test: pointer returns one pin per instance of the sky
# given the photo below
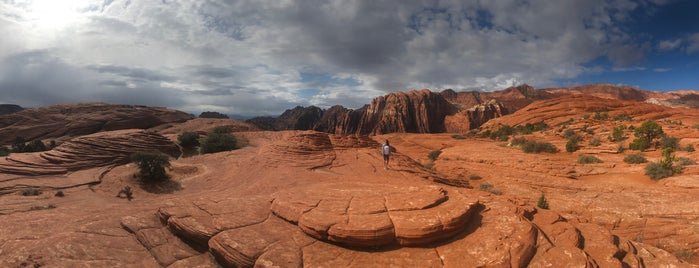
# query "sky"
(261, 57)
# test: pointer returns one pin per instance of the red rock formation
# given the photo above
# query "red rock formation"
(72, 120)
(414, 112)
(474, 117)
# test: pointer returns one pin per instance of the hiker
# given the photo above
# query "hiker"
(386, 152)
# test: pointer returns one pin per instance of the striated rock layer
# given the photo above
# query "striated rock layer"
(71, 120)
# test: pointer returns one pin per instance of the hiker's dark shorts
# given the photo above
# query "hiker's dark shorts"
(385, 157)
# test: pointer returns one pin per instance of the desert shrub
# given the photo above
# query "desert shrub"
(4, 151)
(601, 116)
(458, 137)
(587, 130)
(502, 133)
(59, 194)
(474, 177)
(542, 202)
(31, 192)
(217, 141)
(573, 143)
(639, 145)
(518, 141)
(188, 139)
(18, 145)
(635, 159)
(538, 147)
(151, 166)
(696, 126)
(529, 128)
(686, 255)
(656, 171)
(619, 147)
(485, 186)
(689, 148)
(623, 117)
(669, 142)
(686, 161)
(35, 146)
(596, 141)
(568, 133)
(495, 191)
(665, 167)
(588, 159)
(618, 133)
(434, 154)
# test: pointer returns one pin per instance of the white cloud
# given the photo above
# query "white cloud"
(669, 45)
(249, 56)
(693, 43)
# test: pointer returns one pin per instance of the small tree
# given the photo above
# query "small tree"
(649, 131)
(669, 142)
(151, 166)
(188, 139)
(542, 203)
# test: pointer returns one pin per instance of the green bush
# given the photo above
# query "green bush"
(503, 133)
(542, 203)
(217, 141)
(686, 161)
(601, 116)
(568, 133)
(639, 145)
(529, 128)
(485, 186)
(689, 148)
(151, 166)
(669, 142)
(623, 117)
(188, 139)
(665, 167)
(31, 192)
(588, 159)
(573, 143)
(596, 141)
(458, 137)
(434, 154)
(538, 147)
(474, 177)
(618, 133)
(35, 146)
(656, 171)
(635, 159)
(4, 151)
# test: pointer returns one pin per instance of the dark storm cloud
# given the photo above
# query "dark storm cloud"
(261, 57)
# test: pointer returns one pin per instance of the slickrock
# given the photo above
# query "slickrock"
(71, 120)
(368, 215)
(96, 150)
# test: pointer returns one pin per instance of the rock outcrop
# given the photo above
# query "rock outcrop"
(71, 120)
(475, 116)
(101, 149)
(9, 108)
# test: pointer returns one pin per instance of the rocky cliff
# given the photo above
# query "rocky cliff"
(72, 120)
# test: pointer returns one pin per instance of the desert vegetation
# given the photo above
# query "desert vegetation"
(218, 140)
(151, 166)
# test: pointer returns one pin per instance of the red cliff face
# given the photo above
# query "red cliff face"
(414, 112)
(475, 116)
(74, 120)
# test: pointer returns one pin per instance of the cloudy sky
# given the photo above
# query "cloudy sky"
(260, 57)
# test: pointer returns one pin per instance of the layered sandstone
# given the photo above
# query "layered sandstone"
(71, 120)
